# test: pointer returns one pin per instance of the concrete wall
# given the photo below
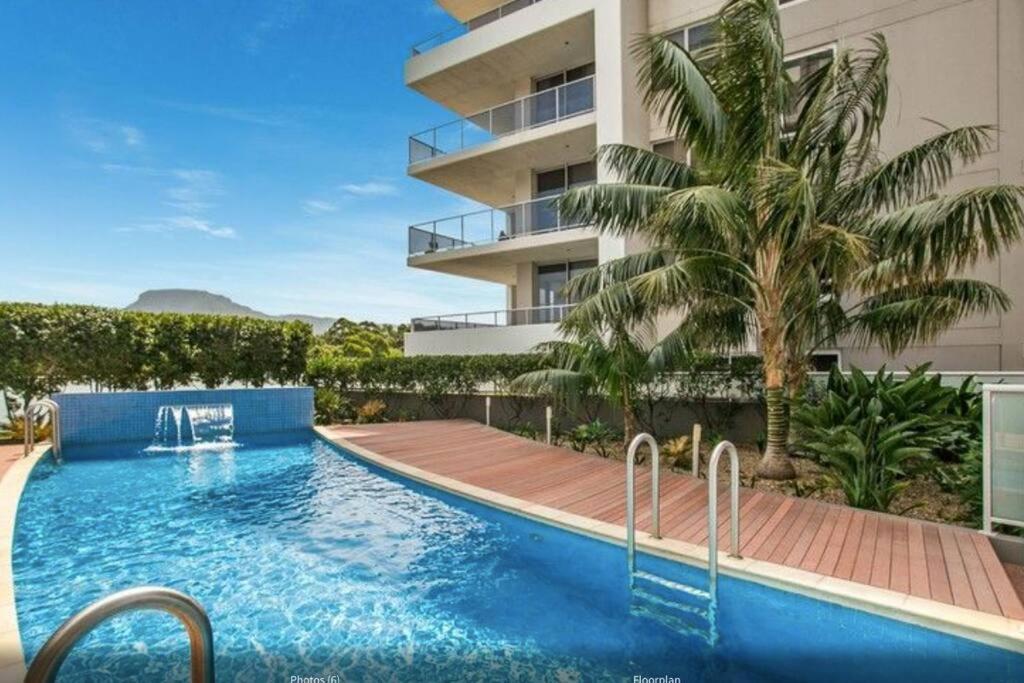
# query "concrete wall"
(131, 416)
(673, 418)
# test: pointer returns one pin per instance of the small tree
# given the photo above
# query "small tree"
(610, 361)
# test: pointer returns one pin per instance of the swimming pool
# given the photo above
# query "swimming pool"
(313, 564)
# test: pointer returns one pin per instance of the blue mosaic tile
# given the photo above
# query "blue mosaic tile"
(131, 416)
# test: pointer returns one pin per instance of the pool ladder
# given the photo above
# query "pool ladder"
(677, 611)
(51, 656)
(37, 408)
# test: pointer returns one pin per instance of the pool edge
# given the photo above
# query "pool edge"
(12, 655)
(990, 629)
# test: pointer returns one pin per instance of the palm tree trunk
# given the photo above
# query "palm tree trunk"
(775, 462)
(628, 418)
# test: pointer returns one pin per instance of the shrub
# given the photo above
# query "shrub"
(43, 348)
(595, 435)
(331, 407)
(873, 433)
(964, 478)
(372, 412)
(678, 452)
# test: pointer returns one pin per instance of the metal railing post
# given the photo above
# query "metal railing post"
(51, 656)
(549, 415)
(487, 410)
(734, 501)
(696, 449)
(634, 446)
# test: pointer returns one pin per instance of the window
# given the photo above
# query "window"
(548, 104)
(824, 361)
(800, 68)
(695, 37)
(556, 181)
(543, 216)
(550, 286)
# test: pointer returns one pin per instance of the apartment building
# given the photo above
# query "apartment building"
(536, 86)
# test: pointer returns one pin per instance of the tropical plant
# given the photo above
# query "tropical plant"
(609, 361)
(372, 412)
(964, 478)
(595, 435)
(678, 452)
(873, 433)
(331, 407)
(790, 228)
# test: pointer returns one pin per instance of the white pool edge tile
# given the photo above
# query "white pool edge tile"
(12, 657)
(989, 629)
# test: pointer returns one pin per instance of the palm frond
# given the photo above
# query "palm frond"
(643, 167)
(914, 174)
(618, 270)
(918, 313)
(946, 234)
(749, 77)
(616, 208)
(676, 90)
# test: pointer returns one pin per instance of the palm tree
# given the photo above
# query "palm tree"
(790, 234)
(611, 361)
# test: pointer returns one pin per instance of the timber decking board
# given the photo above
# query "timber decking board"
(943, 563)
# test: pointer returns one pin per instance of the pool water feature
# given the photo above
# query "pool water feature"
(312, 563)
(194, 427)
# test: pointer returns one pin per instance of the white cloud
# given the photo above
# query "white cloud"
(202, 225)
(318, 207)
(370, 189)
(189, 191)
(104, 137)
(182, 223)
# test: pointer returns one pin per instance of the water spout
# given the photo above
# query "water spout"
(180, 428)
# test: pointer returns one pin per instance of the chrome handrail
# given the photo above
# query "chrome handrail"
(40, 407)
(51, 656)
(734, 500)
(484, 121)
(640, 440)
(441, 37)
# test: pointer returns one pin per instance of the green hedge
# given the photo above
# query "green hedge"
(43, 348)
(432, 376)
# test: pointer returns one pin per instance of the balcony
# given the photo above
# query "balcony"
(527, 113)
(546, 315)
(462, 28)
(537, 217)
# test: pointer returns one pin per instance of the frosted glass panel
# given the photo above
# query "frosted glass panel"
(1007, 442)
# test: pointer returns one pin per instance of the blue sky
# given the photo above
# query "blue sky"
(255, 148)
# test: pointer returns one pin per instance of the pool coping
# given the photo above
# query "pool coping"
(12, 655)
(990, 629)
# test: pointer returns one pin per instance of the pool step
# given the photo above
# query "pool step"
(677, 606)
(642, 596)
(677, 617)
(672, 585)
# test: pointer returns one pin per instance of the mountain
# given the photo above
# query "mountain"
(198, 301)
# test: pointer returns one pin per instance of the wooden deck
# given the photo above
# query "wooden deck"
(947, 564)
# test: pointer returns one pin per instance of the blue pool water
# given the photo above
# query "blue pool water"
(314, 564)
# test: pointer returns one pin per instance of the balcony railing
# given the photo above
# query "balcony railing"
(488, 226)
(538, 109)
(544, 315)
(463, 28)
